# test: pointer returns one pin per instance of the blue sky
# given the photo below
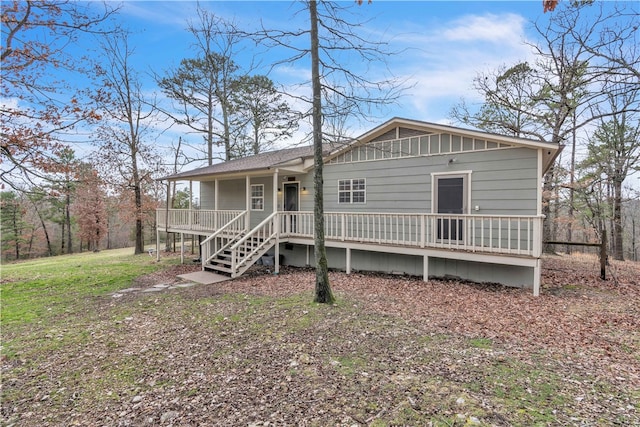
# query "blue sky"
(447, 42)
(444, 43)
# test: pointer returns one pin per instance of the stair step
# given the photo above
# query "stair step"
(218, 268)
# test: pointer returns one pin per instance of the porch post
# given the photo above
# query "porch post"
(166, 214)
(215, 204)
(275, 190)
(425, 268)
(157, 242)
(190, 204)
(276, 222)
(537, 236)
(348, 260)
(247, 202)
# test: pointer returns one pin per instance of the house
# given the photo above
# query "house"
(406, 197)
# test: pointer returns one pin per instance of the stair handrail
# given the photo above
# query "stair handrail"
(222, 229)
(234, 262)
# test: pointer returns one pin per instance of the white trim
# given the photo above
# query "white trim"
(415, 124)
(256, 198)
(284, 183)
(351, 191)
(539, 183)
(275, 190)
(466, 174)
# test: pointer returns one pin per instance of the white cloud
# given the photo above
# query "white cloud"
(442, 63)
(501, 29)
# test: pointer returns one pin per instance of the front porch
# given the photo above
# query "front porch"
(233, 245)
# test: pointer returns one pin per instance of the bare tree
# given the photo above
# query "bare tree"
(614, 153)
(129, 118)
(38, 108)
(555, 97)
(334, 89)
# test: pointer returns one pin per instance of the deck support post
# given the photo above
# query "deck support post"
(181, 248)
(157, 243)
(425, 268)
(537, 271)
(348, 260)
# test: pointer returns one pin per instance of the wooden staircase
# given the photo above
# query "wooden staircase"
(232, 251)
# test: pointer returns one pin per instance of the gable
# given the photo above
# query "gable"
(405, 142)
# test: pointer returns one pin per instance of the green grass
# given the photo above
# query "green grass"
(35, 290)
(71, 349)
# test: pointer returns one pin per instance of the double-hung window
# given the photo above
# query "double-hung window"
(257, 197)
(352, 190)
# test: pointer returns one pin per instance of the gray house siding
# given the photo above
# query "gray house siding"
(207, 195)
(502, 182)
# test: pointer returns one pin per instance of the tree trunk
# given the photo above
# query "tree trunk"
(547, 229)
(323, 292)
(138, 206)
(68, 220)
(618, 253)
(572, 180)
(44, 228)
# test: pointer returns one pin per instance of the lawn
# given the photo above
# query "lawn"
(256, 351)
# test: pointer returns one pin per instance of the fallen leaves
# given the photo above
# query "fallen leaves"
(393, 350)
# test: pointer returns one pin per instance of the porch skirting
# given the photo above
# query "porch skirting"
(430, 263)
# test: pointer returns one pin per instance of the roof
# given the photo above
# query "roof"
(259, 162)
(295, 157)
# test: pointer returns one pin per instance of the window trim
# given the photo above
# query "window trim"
(351, 191)
(257, 198)
(466, 175)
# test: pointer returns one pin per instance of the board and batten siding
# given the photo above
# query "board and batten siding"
(503, 182)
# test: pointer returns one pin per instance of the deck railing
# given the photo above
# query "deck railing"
(504, 234)
(194, 219)
(500, 234)
(223, 237)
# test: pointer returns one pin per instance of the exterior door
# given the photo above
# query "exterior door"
(450, 198)
(291, 203)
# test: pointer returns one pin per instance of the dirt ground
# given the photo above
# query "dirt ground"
(393, 351)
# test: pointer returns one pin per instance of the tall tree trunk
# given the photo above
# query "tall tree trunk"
(63, 223)
(210, 130)
(44, 228)
(137, 189)
(68, 220)
(572, 180)
(618, 252)
(16, 231)
(547, 224)
(323, 292)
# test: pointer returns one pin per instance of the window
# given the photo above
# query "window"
(351, 191)
(257, 197)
